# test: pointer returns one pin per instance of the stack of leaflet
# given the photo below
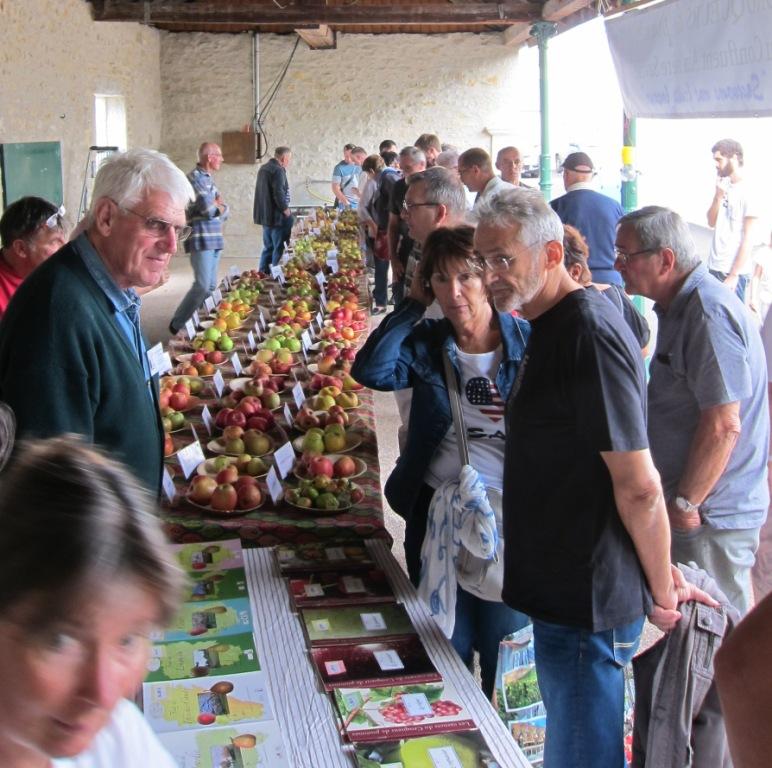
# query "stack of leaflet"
(390, 701)
(205, 694)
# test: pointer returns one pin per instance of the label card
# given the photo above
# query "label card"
(388, 660)
(226, 281)
(323, 299)
(305, 339)
(319, 320)
(209, 304)
(332, 254)
(262, 316)
(320, 278)
(233, 272)
(217, 295)
(274, 485)
(273, 301)
(258, 332)
(305, 355)
(287, 414)
(193, 430)
(155, 358)
(236, 363)
(251, 343)
(190, 329)
(352, 585)
(335, 667)
(196, 319)
(416, 704)
(298, 395)
(219, 382)
(206, 416)
(372, 621)
(313, 590)
(166, 363)
(284, 458)
(335, 553)
(444, 757)
(168, 485)
(284, 259)
(189, 458)
(321, 625)
(333, 265)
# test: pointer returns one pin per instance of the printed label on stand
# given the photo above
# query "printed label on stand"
(275, 488)
(189, 458)
(236, 363)
(217, 295)
(206, 417)
(219, 382)
(209, 304)
(251, 343)
(190, 329)
(298, 395)
(168, 485)
(284, 459)
(287, 414)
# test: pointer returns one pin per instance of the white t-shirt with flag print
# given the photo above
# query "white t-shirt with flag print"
(483, 411)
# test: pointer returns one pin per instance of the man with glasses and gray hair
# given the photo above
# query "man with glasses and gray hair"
(588, 542)
(206, 216)
(72, 354)
(31, 230)
(708, 410)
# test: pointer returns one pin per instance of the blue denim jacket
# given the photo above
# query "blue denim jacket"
(403, 352)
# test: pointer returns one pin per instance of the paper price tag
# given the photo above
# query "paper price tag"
(333, 265)
(336, 667)
(372, 621)
(352, 585)
(209, 304)
(319, 320)
(226, 281)
(272, 298)
(332, 254)
(217, 295)
(323, 299)
(284, 459)
(305, 355)
(168, 486)
(321, 625)
(416, 704)
(287, 415)
(155, 358)
(313, 590)
(236, 363)
(219, 382)
(305, 339)
(190, 329)
(166, 363)
(284, 259)
(320, 278)
(262, 316)
(206, 417)
(275, 488)
(388, 660)
(298, 395)
(189, 458)
(251, 343)
(196, 319)
(444, 757)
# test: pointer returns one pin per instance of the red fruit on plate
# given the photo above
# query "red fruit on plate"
(215, 357)
(236, 419)
(320, 465)
(244, 481)
(181, 388)
(221, 420)
(197, 357)
(357, 494)
(201, 489)
(249, 496)
(179, 401)
(197, 631)
(257, 422)
(344, 467)
(228, 475)
(224, 498)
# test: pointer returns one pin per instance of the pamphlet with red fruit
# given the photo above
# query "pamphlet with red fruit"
(373, 665)
(199, 703)
(322, 556)
(330, 588)
(215, 618)
(246, 745)
(216, 585)
(210, 555)
(189, 659)
(400, 711)
(377, 621)
(466, 749)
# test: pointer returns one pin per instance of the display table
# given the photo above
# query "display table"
(304, 711)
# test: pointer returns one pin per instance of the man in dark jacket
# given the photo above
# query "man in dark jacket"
(271, 208)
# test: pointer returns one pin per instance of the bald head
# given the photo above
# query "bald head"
(210, 156)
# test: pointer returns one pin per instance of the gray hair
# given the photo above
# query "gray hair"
(525, 208)
(657, 227)
(413, 154)
(280, 152)
(443, 187)
(126, 177)
(448, 158)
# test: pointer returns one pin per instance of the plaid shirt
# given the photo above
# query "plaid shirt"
(204, 215)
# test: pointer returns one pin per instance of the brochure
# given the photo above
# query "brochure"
(216, 618)
(400, 711)
(373, 665)
(188, 659)
(216, 585)
(247, 745)
(182, 704)
(344, 624)
(446, 750)
(328, 556)
(331, 588)
(208, 555)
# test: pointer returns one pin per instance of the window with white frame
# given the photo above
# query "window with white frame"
(110, 119)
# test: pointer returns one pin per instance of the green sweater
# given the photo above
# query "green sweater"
(67, 367)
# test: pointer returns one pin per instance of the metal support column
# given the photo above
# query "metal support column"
(543, 31)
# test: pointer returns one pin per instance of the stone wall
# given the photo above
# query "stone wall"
(54, 59)
(369, 88)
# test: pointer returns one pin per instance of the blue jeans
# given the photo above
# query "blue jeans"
(581, 679)
(273, 247)
(742, 282)
(204, 265)
(381, 282)
(480, 626)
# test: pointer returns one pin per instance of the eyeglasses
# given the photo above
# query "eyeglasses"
(409, 206)
(626, 257)
(54, 221)
(501, 263)
(159, 227)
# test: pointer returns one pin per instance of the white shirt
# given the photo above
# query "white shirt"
(738, 204)
(125, 742)
(493, 187)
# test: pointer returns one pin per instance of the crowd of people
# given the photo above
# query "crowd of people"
(517, 362)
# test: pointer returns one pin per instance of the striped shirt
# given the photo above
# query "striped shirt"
(204, 215)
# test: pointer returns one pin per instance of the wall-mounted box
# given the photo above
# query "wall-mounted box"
(239, 147)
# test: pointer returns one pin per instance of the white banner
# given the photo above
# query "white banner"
(695, 58)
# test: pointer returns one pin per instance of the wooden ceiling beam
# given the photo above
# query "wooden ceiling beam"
(516, 34)
(556, 10)
(318, 38)
(313, 14)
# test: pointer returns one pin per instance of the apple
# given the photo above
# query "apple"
(330, 390)
(256, 443)
(168, 445)
(249, 497)
(320, 465)
(344, 467)
(256, 467)
(257, 423)
(271, 400)
(179, 401)
(232, 433)
(224, 498)
(227, 475)
(215, 357)
(236, 445)
(221, 420)
(201, 489)
(181, 387)
(334, 438)
(243, 481)
(347, 400)
(236, 419)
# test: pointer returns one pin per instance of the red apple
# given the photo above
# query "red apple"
(222, 417)
(228, 475)
(320, 465)
(224, 498)
(201, 489)
(179, 401)
(236, 419)
(344, 467)
(249, 496)
(232, 432)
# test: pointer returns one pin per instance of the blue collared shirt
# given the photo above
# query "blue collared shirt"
(126, 303)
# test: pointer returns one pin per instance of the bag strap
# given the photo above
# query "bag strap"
(455, 407)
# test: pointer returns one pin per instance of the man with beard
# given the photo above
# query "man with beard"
(588, 542)
(732, 217)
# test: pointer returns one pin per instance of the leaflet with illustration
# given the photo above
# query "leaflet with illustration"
(190, 659)
(400, 711)
(396, 661)
(466, 749)
(215, 618)
(331, 588)
(216, 585)
(344, 624)
(210, 555)
(328, 556)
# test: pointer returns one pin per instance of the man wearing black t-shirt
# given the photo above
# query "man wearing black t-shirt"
(586, 530)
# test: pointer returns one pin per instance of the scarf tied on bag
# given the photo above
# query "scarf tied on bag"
(460, 518)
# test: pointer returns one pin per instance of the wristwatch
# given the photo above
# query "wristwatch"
(684, 505)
